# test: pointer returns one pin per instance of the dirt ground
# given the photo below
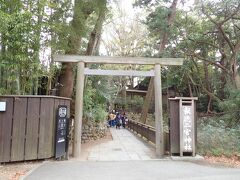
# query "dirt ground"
(13, 171)
(223, 160)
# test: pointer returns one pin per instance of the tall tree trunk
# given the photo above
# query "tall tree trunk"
(190, 89)
(95, 35)
(78, 25)
(223, 62)
(147, 101)
(223, 80)
(66, 80)
(208, 86)
(207, 82)
(170, 20)
(234, 66)
(237, 80)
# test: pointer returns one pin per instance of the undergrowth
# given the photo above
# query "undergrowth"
(214, 137)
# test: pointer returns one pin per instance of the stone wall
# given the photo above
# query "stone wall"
(93, 131)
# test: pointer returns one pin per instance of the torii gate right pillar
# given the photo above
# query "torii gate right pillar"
(158, 112)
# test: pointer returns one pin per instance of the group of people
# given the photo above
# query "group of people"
(117, 119)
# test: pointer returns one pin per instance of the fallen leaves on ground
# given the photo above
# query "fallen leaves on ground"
(233, 161)
(14, 170)
(18, 174)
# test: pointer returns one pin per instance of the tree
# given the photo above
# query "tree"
(81, 12)
(29, 27)
(224, 16)
(20, 39)
(160, 20)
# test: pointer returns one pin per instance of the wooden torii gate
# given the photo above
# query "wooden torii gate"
(82, 71)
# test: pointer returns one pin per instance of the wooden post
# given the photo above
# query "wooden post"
(78, 110)
(147, 101)
(181, 127)
(158, 111)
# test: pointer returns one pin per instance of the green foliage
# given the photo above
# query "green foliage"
(94, 102)
(20, 52)
(157, 21)
(100, 113)
(214, 138)
(231, 107)
(195, 35)
(135, 104)
(28, 28)
(202, 104)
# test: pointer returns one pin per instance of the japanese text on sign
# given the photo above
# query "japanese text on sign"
(187, 129)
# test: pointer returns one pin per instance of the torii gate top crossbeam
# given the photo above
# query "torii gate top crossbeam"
(118, 60)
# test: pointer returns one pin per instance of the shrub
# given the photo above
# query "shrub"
(215, 138)
(94, 108)
(231, 107)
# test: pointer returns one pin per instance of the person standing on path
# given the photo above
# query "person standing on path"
(124, 117)
(118, 118)
(112, 117)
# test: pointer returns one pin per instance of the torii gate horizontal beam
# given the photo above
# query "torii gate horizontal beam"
(118, 60)
(102, 72)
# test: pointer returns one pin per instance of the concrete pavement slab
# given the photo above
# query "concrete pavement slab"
(126, 157)
(131, 170)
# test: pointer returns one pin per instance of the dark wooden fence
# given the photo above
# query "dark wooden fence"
(27, 127)
(148, 132)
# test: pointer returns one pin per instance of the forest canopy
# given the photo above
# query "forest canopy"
(205, 33)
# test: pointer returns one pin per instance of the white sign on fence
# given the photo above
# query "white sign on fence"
(2, 106)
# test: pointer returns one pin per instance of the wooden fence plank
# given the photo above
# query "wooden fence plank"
(5, 130)
(147, 132)
(46, 128)
(18, 131)
(56, 103)
(27, 128)
(174, 127)
(31, 146)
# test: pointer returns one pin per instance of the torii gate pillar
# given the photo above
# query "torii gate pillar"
(158, 112)
(78, 110)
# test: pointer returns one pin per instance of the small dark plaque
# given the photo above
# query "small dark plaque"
(61, 131)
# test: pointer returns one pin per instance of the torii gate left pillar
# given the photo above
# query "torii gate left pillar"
(78, 110)
(81, 71)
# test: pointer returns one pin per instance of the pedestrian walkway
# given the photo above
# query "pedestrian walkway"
(131, 170)
(127, 157)
(123, 147)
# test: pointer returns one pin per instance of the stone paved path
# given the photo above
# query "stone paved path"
(126, 157)
(131, 170)
(124, 146)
